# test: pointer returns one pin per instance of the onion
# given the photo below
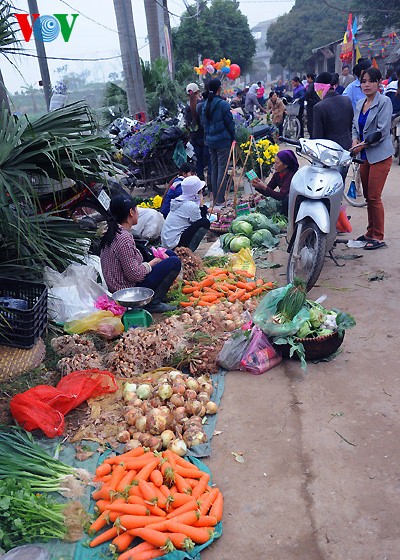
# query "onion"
(124, 436)
(174, 374)
(156, 422)
(132, 444)
(194, 436)
(166, 437)
(141, 424)
(229, 325)
(211, 407)
(178, 387)
(132, 415)
(190, 394)
(178, 446)
(134, 432)
(177, 400)
(144, 391)
(145, 407)
(203, 397)
(154, 443)
(192, 383)
(179, 414)
(193, 422)
(155, 402)
(207, 388)
(204, 379)
(193, 407)
(137, 402)
(164, 391)
(129, 391)
(202, 411)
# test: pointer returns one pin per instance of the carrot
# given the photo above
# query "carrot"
(209, 298)
(142, 547)
(139, 500)
(146, 471)
(196, 294)
(269, 285)
(244, 273)
(182, 485)
(188, 290)
(134, 490)
(129, 509)
(157, 478)
(206, 282)
(165, 491)
(205, 521)
(179, 500)
(207, 499)
(118, 458)
(127, 480)
(218, 506)
(137, 463)
(248, 286)
(147, 492)
(148, 554)
(99, 523)
(187, 518)
(118, 474)
(102, 494)
(198, 535)
(256, 292)
(180, 541)
(245, 297)
(203, 303)
(182, 304)
(135, 521)
(122, 541)
(103, 469)
(189, 506)
(185, 463)
(192, 481)
(260, 282)
(162, 500)
(201, 486)
(157, 538)
(103, 479)
(104, 537)
(235, 296)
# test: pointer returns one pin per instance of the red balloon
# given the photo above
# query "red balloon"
(234, 71)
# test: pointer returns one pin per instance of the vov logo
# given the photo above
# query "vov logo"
(46, 28)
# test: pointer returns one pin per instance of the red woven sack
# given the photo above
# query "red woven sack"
(43, 407)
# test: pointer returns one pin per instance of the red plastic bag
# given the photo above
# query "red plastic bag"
(260, 356)
(343, 225)
(43, 407)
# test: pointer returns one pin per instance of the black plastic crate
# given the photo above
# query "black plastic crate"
(21, 328)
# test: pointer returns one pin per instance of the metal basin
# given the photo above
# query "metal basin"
(133, 297)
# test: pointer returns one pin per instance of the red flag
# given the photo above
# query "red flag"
(349, 30)
(374, 63)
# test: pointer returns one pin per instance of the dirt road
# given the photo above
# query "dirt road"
(321, 472)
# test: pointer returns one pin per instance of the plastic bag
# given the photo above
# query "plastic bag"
(85, 321)
(267, 308)
(243, 260)
(343, 225)
(71, 291)
(159, 252)
(104, 303)
(110, 327)
(149, 224)
(352, 192)
(179, 155)
(27, 552)
(233, 349)
(260, 356)
(43, 407)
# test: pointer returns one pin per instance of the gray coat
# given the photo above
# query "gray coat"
(378, 120)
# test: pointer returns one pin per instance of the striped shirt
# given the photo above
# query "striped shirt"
(122, 263)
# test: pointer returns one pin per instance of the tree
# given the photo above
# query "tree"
(31, 91)
(161, 89)
(219, 31)
(378, 15)
(309, 24)
(8, 45)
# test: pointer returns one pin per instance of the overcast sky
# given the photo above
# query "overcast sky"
(94, 36)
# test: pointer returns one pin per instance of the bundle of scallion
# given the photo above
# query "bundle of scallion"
(23, 459)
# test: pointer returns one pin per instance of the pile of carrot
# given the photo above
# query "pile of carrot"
(221, 284)
(161, 498)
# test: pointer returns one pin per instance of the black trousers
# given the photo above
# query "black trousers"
(188, 234)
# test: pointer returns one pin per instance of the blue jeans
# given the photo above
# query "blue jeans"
(161, 270)
(219, 159)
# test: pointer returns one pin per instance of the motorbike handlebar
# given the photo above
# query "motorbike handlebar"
(358, 160)
(290, 141)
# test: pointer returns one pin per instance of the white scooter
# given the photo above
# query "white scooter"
(315, 196)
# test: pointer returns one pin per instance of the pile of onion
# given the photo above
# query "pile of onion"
(168, 413)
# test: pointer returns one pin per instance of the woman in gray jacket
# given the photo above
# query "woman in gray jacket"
(373, 114)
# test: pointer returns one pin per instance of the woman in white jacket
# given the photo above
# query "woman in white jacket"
(186, 223)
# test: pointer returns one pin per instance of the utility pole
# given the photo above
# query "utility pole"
(130, 56)
(41, 52)
(159, 32)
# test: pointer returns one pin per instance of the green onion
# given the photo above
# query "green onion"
(23, 459)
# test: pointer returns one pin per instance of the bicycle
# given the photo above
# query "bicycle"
(291, 124)
(353, 192)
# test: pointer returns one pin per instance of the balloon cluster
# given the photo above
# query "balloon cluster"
(221, 68)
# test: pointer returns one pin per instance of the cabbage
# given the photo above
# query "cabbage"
(239, 242)
(263, 238)
(257, 220)
(225, 240)
(269, 206)
(242, 228)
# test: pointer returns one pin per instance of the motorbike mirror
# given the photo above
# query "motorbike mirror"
(373, 137)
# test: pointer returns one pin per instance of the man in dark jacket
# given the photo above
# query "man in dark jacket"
(193, 124)
(312, 99)
(333, 115)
